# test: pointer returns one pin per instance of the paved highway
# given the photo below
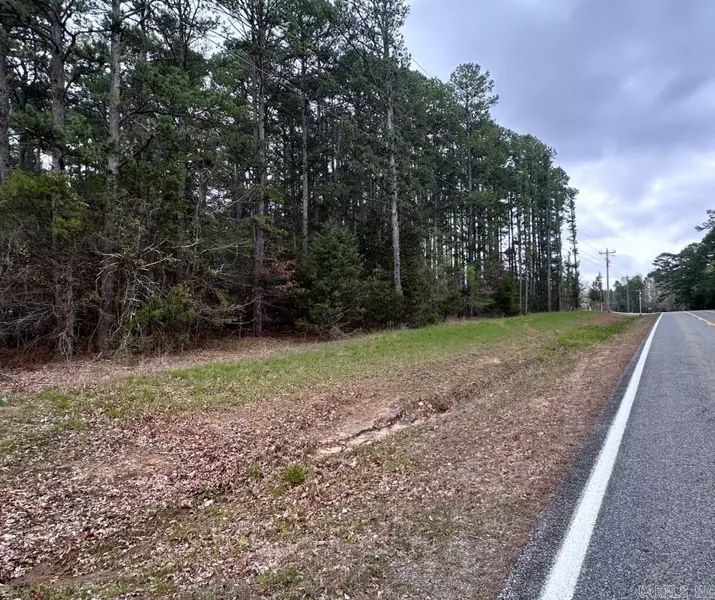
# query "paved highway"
(652, 531)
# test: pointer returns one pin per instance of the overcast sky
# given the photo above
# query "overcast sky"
(624, 90)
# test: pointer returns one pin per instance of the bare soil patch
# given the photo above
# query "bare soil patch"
(453, 462)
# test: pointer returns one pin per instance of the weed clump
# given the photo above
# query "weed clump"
(295, 475)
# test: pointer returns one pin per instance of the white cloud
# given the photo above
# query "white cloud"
(640, 228)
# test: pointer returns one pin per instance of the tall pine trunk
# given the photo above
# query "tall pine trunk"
(108, 266)
(471, 225)
(4, 111)
(390, 129)
(548, 254)
(259, 239)
(394, 215)
(304, 118)
(62, 273)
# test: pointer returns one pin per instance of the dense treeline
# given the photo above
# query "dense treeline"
(687, 280)
(179, 168)
(634, 294)
(629, 295)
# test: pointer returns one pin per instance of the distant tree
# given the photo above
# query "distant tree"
(709, 224)
(595, 293)
(573, 275)
(687, 279)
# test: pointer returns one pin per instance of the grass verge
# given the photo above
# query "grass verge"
(333, 363)
(37, 418)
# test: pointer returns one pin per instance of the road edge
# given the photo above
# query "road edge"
(531, 569)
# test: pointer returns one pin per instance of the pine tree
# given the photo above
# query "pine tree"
(168, 167)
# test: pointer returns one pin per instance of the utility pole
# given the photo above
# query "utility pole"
(628, 296)
(608, 253)
(640, 301)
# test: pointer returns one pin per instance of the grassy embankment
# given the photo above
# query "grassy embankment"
(234, 383)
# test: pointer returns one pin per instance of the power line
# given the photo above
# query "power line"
(589, 245)
(587, 230)
(585, 241)
(598, 240)
(425, 71)
(582, 253)
(600, 265)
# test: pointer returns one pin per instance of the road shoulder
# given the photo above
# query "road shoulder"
(531, 569)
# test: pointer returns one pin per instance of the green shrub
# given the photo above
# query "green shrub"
(478, 298)
(506, 300)
(332, 276)
(165, 322)
(420, 301)
(448, 301)
(28, 198)
(383, 305)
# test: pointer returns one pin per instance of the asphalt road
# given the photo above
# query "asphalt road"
(654, 536)
(656, 526)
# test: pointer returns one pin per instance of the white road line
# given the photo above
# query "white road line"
(566, 569)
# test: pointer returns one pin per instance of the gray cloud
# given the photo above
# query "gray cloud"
(623, 89)
(681, 88)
